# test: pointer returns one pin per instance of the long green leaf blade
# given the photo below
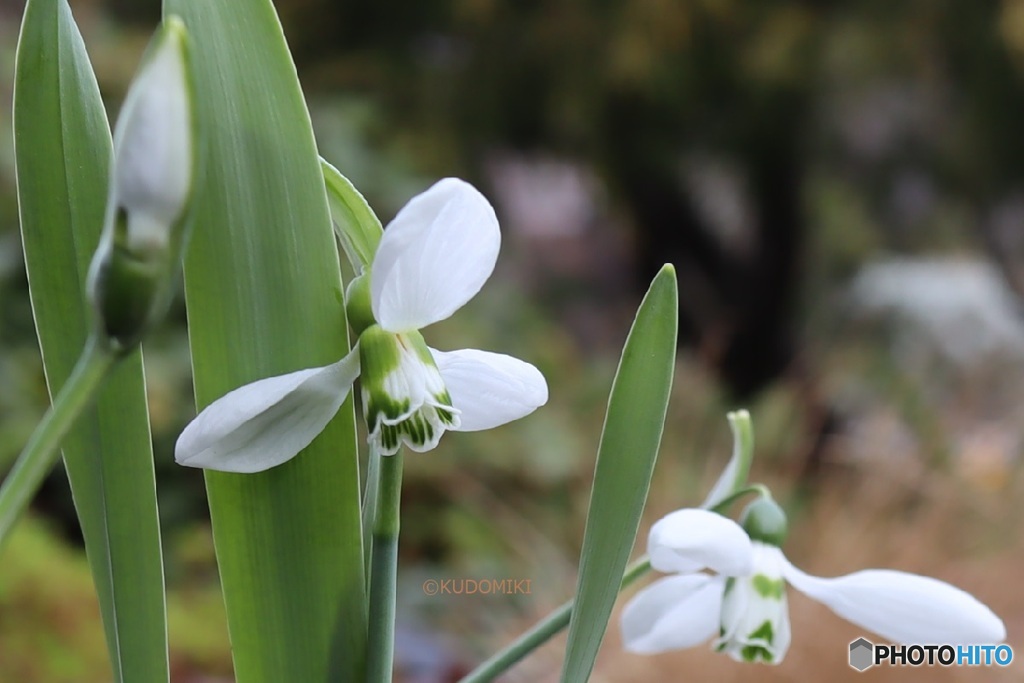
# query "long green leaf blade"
(625, 463)
(63, 151)
(263, 291)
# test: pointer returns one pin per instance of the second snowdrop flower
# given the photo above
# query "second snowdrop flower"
(433, 258)
(743, 603)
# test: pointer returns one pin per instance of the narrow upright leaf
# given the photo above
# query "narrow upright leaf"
(63, 151)
(263, 290)
(625, 463)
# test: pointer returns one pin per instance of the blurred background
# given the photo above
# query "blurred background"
(840, 185)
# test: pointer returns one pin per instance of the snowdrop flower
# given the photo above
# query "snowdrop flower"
(433, 258)
(743, 604)
(151, 180)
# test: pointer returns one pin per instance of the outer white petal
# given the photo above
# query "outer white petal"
(673, 613)
(902, 607)
(153, 143)
(434, 256)
(691, 539)
(490, 389)
(266, 423)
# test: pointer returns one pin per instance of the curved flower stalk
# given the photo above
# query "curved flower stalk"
(433, 258)
(743, 604)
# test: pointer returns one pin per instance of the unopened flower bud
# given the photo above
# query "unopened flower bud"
(150, 189)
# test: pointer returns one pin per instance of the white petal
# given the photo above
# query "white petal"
(691, 539)
(153, 143)
(434, 256)
(490, 389)
(266, 423)
(672, 613)
(902, 607)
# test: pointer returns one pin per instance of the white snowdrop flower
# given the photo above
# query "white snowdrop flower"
(433, 258)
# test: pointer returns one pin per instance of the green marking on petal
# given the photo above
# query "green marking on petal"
(414, 341)
(446, 416)
(379, 354)
(420, 431)
(763, 632)
(389, 439)
(772, 589)
(756, 653)
(380, 358)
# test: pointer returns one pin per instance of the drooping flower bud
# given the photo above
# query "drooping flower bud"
(151, 183)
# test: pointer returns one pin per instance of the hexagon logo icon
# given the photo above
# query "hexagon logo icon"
(862, 654)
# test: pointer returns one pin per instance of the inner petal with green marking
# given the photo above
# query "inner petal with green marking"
(404, 397)
(755, 618)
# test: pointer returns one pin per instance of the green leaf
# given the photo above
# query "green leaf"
(264, 296)
(625, 462)
(63, 151)
(355, 223)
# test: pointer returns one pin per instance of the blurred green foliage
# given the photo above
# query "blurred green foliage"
(49, 623)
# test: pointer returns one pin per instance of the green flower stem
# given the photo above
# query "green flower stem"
(727, 502)
(542, 632)
(383, 570)
(43, 446)
(370, 494)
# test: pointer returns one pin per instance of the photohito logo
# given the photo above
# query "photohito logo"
(864, 654)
